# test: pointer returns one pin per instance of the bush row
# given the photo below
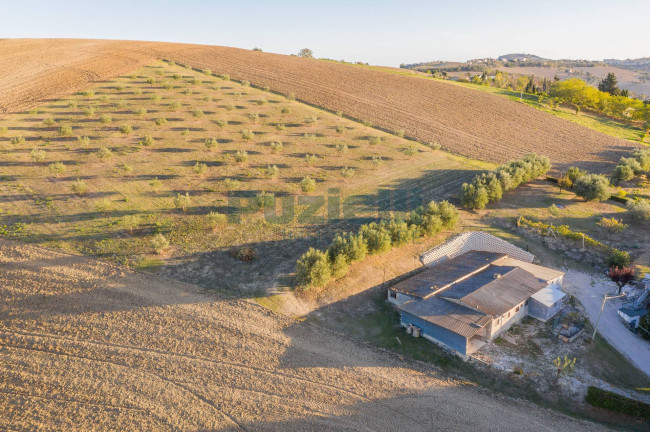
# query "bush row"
(638, 163)
(614, 402)
(490, 186)
(616, 257)
(316, 267)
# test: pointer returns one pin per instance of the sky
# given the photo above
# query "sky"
(377, 32)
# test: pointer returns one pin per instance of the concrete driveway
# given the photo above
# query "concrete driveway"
(590, 289)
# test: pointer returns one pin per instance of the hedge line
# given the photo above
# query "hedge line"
(616, 257)
(316, 267)
(490, 186)
(614, 402)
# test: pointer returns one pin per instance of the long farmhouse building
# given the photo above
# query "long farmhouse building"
(465, 300)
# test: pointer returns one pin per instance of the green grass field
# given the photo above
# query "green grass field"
(156, 152)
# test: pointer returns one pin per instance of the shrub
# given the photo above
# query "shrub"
(313, 269)
(160, 121)
(374, 140)
(574, 173)
(262, 101)
(37, 155)
(137, 92)
(310, 159)
(347, 172)
(185, 131)
(377, 161)
(231, 184)
(78, 187)
(155, 184)
(105, 118)
(199, 168)
(215, 220)
(125, 168)
(619, 258)
(181, 201)
(104, 154)
(83, 141)
(245, 84)
(241, 156)
(167, 85)
(221, 123)
(139, 111)
(474, 197)
(56, 168)
(88, 111)
(254, 117)
(339, 113)
(400, 133)
(291, 96)
(197, 113)
(279, 126)
(65, 130)
(367, 123)
(3, 130)
(49, 121)
(622, 173)
(247, 134)
(644, 326)
(126, 129)
(435, 145)
(147, 141)
(309, 137)
(151, 81)
(592, 187)
(155, 98)
(612, 225)
(72, 104)
(225, 77)
(159, 243)
(340, 129)
(271, 171)
(276, 147)
(614, 402)
(121, 103)
(339, 266)
(310, 120)
(207, 71)
(285, 110)
(308, 184)
(230, 107)
(639, 210)
(19, 140)
(211, 143)
(88, 93)
(410, 150)
(342, 148)
(264, 200)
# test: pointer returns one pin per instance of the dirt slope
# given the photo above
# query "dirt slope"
(86, 345)
(468, 122)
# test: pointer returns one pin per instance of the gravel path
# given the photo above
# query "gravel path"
(590, 291)
(86, 345)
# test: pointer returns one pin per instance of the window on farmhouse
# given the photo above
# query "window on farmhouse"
(393, 294)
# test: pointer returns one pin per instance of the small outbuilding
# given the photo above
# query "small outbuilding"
(545, 303)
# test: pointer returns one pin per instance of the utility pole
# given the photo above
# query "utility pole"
(601, 311)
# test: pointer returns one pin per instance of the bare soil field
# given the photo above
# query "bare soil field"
(86, 345)
(462, 121)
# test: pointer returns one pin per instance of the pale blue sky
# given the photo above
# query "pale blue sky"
(379, 32)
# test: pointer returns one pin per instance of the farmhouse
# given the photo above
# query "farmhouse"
(465, 299)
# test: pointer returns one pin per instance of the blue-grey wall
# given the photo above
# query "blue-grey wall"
(442, 335)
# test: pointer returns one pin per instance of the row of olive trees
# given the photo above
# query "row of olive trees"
(316, 267)
(490, 186)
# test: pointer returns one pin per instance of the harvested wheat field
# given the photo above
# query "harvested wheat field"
(86, 345)
(467, 122)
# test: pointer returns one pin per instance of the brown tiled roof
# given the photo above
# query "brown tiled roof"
(456, 318)
(501, 294)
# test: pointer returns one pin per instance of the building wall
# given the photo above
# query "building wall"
(504, 322)
(541, 311)
(398, 298)
(436, 334)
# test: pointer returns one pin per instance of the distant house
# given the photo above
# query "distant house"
(466, 300)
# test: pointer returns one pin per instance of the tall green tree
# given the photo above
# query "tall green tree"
(610, 85)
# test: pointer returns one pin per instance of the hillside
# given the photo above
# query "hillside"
(475, 125)
(99, 347)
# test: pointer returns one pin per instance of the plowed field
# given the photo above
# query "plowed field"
(86, 345)
(468, 122)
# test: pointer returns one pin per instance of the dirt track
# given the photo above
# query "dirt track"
(86, 345)
(464, 121)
